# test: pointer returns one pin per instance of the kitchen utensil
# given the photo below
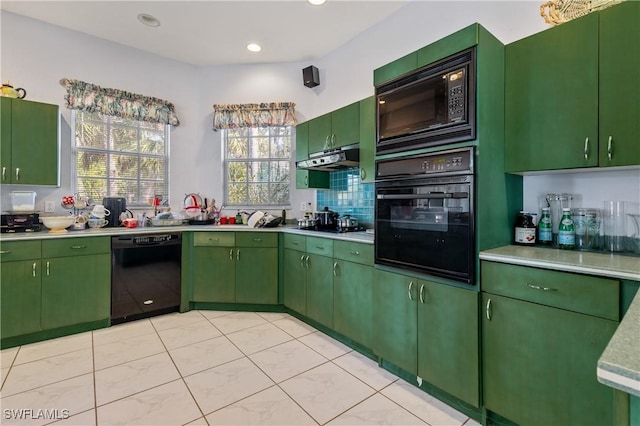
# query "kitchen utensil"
(130, 222)
(347, 221)
(615, 230)
(256, 219)
(97, 223)
(193, 205)
(326, 218)
(99, 211)
(23, 201)
(271, 221)
(306, 222)
(58, 223)
(8, 91)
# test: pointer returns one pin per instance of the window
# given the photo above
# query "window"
(118, 157)
(256, 166)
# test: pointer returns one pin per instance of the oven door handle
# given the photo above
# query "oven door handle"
(457, 195)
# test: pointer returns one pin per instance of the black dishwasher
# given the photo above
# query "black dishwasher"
(145, 275)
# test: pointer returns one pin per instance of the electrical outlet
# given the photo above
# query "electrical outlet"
(49, 206)
(303, 206)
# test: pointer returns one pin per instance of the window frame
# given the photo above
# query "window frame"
(226, 162)
(108, 122)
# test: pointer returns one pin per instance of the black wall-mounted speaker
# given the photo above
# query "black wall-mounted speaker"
(310, 76)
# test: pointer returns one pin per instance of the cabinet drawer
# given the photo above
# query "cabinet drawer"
(321, 246)
(19, 250)
(214, 239)
(353, 252)
(64, 247)
(256, 239)
(574, 292)
(295, 242)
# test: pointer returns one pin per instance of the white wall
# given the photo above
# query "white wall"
(36, 55)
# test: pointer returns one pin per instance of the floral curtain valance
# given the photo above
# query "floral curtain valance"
(118, 103)
(232, 116)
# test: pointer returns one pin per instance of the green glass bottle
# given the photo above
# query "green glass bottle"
(545, 228)
(566, 231)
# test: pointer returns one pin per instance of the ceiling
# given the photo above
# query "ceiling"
(216, 32)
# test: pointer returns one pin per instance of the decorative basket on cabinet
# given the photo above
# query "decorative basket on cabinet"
(556, 12)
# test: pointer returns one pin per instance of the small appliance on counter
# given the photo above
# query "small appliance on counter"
(117, 206)
(20, 222)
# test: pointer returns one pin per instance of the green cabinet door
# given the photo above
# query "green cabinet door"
(320, 133)
(34, 149)
(345, 128)
(302, 141)
(5, 139)
(214, 274)
(539, 364)
(367, 139)
(320, 288)
(75, 290)
(353, 301)
(395, 319)
(20, 297)
(295, 281)
(618, 85)
(551, 98)
(395, 69)
(448, 340)
(307, 178)
(256, 275)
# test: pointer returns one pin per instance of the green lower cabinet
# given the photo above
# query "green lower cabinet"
(214, 274)
(320, 288)
(295, 281)
(256, 275)
(448, 347)
(540, 364)
(353, 304)
(76, 290)
(20, 296)
(395, 319)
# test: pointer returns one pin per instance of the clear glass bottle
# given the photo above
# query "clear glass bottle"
(545, 227)
(566, 231)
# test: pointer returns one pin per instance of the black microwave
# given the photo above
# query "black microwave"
(435, 105)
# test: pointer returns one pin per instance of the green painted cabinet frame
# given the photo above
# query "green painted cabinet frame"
(29, 142)
(368, 140)
(21, 298)
(306, 179)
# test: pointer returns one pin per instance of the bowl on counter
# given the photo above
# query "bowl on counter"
(97, 223)
(58, 223)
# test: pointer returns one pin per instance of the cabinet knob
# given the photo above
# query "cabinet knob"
(363, 174)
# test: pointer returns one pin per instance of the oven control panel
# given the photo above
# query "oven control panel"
(443, 162)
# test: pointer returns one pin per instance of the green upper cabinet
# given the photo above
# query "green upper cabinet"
(335, 129)
(449, 45)
(572, 89)
(368, 139)
(618, 85)
(29, 142)
(395, 69)
(307, 178)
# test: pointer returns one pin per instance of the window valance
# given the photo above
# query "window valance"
(232, 116)
(118, 103)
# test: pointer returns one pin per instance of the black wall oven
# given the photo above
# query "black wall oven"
(434, 105)
(425, 214)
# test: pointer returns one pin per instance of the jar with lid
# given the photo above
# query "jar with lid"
(525, 230)
(545, 228)
(566, 231)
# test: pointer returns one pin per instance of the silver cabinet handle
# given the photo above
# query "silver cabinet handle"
(355, 253)
(78, 247)
(302, 261)
(4, 173)
(537, 287)
(327, 144)
(488, 310)
(5, 251)
(295, 243)
(306, 180)
(333, 140)
(610, 148)
(422, 294)
(17, 173)
(586, 148)
(238, 254)
(336, 269)
(307, 262)
(320, 247)
(214, 239)
(409, 290)
(33, 269)
(231, 254)
(363, 174)
(257, 240)
(48, 269)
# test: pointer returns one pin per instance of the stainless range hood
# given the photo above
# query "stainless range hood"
(341, 158)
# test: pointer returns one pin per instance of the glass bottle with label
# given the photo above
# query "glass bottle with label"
(545, 228)
(525, 230)
(566, 231)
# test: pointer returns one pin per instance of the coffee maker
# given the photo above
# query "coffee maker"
(117, 206)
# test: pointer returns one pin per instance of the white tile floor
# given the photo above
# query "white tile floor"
(208, 368)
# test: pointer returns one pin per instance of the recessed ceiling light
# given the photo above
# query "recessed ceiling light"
(148, 20)
(316, 2)
(254, 47)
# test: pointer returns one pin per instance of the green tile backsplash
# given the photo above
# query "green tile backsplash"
(348, 195)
